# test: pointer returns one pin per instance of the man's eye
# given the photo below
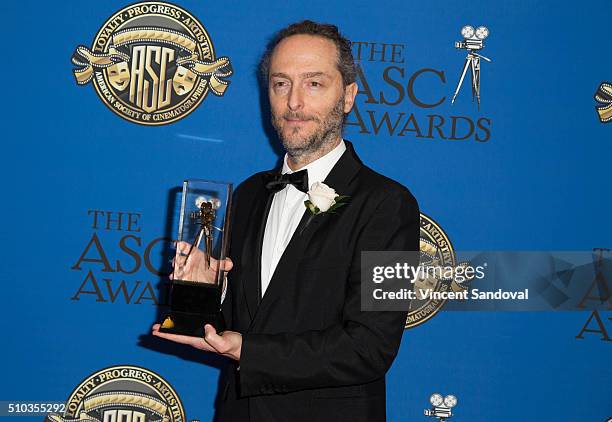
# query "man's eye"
(315, 84)
(280, 83)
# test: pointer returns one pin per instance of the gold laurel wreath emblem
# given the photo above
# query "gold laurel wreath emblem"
(436, 250)
(154, 401)
(156, 73)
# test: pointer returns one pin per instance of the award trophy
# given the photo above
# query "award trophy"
(197, 282)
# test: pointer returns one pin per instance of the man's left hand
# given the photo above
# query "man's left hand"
(228, 343)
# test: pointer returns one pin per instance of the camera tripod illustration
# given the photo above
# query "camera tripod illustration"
(473, 40)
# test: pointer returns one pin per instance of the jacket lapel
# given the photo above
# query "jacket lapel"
(339, 179)
(253, 245)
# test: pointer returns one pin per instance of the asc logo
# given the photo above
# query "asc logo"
(122, 394)
(436, 250)
(152, 63)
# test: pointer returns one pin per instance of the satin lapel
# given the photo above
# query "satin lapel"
(339, 178)
(252, 246)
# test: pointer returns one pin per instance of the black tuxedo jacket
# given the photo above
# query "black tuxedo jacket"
(309, 353)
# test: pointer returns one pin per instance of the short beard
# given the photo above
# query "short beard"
(329, 130)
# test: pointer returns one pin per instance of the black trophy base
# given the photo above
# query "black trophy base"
(191, 324)
(192, 306)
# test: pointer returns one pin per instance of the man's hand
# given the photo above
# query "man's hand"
(194, 266)
(228, 343)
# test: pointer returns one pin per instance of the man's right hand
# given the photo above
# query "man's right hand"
(194, 267)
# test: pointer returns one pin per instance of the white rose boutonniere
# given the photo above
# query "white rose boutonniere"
(322, 198)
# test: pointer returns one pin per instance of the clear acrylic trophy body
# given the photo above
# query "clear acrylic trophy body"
(197, 279)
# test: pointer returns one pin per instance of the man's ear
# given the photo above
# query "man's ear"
(350, 91)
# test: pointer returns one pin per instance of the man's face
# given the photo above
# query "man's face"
(306, 93)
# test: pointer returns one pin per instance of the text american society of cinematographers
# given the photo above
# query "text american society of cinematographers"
(459, 274)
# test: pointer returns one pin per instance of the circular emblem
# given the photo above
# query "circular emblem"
(152, 63)
(436, 251)
(122, 394)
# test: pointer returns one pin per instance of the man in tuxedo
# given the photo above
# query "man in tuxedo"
(301, 347)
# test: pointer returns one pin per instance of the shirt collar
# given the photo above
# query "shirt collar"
(320, 168)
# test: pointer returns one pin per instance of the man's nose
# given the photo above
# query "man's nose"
(295, 100)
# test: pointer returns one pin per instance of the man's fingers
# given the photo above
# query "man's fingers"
(209, 331)
(213, 339)
(228, 343)
(179, 260)
(196, 342)
(182, 247)
(194, 266)
(226, 264)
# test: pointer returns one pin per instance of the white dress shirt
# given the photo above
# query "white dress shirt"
(287, 210)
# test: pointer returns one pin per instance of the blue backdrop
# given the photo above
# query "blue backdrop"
(533, 174)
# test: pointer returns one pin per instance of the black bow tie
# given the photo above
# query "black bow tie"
(276, 181)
